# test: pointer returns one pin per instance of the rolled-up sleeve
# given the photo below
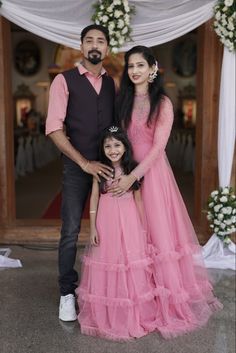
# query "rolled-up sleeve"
(58, 99)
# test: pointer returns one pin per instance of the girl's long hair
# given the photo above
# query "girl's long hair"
(127, 163)
(125, 100)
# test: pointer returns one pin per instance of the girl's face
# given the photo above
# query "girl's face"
(113, 149)
(138, 69)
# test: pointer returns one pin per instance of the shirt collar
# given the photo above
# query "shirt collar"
(83, 70)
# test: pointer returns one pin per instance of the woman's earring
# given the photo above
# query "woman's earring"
(153, 74)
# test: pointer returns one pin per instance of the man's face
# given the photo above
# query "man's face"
(94, 46)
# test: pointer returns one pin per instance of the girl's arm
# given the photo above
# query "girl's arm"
(139, 205)
(94, 199)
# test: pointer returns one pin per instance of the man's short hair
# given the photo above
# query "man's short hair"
(100, 28)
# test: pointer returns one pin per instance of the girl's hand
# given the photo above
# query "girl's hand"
(94, 239)
(124, 184)
(98, 170)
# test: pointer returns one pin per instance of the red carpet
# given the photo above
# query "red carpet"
(54, 209)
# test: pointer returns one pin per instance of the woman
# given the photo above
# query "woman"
(184, 293)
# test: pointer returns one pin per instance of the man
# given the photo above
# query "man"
(82, 101)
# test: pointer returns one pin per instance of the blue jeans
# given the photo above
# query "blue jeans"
(76, 186)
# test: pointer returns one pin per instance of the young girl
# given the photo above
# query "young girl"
(116, 294)
(185, 299)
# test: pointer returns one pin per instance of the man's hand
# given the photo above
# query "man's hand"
(98, 170)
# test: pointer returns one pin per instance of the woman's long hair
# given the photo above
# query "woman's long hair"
(127, 161)
(125, 100)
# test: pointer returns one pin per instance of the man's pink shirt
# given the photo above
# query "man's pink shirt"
(58, 98)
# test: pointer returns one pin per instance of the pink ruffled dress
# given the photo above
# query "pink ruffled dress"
(184, 296)
(116, 295)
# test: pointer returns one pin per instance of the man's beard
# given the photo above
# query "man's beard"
(94, 57)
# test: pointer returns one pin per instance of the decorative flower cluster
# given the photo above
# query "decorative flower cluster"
(222, 212)
(115, 15)
(225, 22)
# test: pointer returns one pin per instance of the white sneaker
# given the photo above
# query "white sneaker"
(67, 308)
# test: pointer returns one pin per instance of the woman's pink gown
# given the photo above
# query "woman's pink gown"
(116, 295)
(183, 292)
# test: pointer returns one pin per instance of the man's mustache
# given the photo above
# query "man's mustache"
(94, 51)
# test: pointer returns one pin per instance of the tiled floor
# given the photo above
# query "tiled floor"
(29, 322)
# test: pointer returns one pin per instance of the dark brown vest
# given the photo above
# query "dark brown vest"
(88, 113)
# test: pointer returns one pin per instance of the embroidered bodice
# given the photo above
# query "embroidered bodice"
(149, 141)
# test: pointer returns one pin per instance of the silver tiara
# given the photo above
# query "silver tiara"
(113, 129)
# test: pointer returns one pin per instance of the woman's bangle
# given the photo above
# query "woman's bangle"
(92, 211)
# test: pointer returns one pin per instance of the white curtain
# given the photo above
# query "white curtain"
(227, 118)
(155, 21)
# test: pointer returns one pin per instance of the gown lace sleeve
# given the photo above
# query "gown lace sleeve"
(161, 135)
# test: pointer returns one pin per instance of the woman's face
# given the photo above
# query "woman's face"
(138, 69)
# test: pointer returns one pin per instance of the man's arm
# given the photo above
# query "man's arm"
(64, 145)
(91, 167)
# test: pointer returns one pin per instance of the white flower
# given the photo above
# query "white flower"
(110, 8)
(120, 23)
(223, 199)
(220, 216)
(214, 193)
(117, 13)
(230, 26)
(222, 226)
(224, 23)
(224, 210)
(228, 2)
(217, 208)
(105, 18)
(113, 42)
(111, 26)
(229, 210)
(211, 204)
(225, 191)
(126, 19)
(126, 8)
(228, 222)
(216, 222)
(218, 15)
(124, 30)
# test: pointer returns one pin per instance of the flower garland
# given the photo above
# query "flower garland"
(115, 15)
(225, 22)
(222, 212)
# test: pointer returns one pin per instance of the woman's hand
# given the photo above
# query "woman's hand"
(98, 170)
(94, 238)
(124, 184)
